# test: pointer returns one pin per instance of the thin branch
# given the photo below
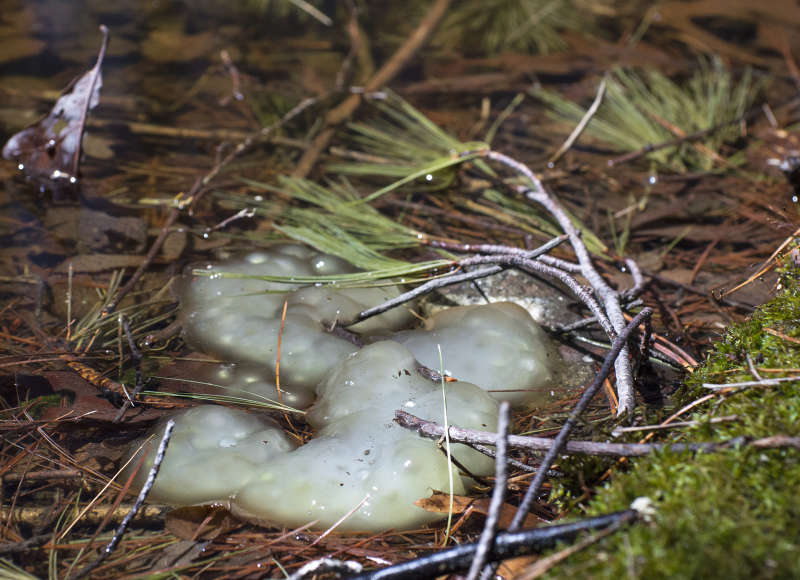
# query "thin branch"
(471, 437)
(576, 132)
(148, 484)
(456, 278)
(489, 452)
(137, 361)
(316, 567)
(506, 545)
(608, 296)
(498, 496)
(744, 384)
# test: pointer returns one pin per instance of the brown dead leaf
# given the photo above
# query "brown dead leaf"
(49, 151)
(200, 522)
(79, 397)
(439, 503)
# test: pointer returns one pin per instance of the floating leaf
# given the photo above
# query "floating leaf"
(49, 151)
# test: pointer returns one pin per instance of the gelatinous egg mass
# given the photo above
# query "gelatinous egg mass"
(362, 465)
(360, 470)
(497, 346)
(212, 453)
(239, 319)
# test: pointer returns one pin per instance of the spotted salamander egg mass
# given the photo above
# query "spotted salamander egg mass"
(359, 462)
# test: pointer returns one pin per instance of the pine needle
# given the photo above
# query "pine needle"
(639, 110)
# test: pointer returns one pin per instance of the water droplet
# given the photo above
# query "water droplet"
(429, 177)
(652, 180)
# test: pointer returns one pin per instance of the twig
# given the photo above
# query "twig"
(24, 545)
(744, 384)
(542, 565)
(506, 545)
(498, 496)
(498, 249)
(148, 484)
(325, 564)
(455, 278)
(489, 452)
(620, 430)
(751, 114)
(607, 295)
(617, 350)
(388, 71)
(470, 437)
(576, 132)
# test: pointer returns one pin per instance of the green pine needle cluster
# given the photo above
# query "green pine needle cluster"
(399, 141)
(527, 26)
(650, 108)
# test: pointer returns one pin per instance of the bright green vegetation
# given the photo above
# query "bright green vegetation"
(651, 108)
(496, 26)
(729, 514)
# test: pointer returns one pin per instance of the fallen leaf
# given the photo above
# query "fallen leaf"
(200, 522)
(439, 503)
(49, 151)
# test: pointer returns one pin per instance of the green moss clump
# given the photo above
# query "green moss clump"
(729, 514)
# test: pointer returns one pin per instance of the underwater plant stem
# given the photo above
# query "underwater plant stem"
(386, 73)
(607, 295)
(498, 496)
(148, 484)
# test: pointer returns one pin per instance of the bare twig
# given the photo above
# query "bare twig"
(433, 430)
(489, 452)
(542, 565)
(148, 484)
(617, 350)
(675, 424)
(506, 545)
(315, 567)
(576, 132)
(744, 384)
(498, 496)
(610, 298)
(498, 253)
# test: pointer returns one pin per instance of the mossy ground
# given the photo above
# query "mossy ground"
(729, 514)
